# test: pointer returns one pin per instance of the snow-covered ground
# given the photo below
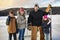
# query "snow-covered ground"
(55, 29)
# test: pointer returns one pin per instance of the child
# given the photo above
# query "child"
(46, 25)
(11, 23)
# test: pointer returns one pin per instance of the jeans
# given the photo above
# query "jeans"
(47, 36)
(10, 36)
(21, 34)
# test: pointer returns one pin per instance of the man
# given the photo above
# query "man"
(35, 19)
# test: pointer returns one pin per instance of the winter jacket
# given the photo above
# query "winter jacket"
(46, 26)
(21, 21)
(35, 18)
(11, 23)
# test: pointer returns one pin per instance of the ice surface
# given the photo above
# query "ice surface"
(55, 29)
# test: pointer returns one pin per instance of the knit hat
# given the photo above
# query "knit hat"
(45, 16)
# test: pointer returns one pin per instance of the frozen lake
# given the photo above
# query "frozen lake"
(55, 29)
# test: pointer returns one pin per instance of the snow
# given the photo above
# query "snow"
(55, 29)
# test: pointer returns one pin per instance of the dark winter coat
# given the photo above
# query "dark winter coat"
(46, 27)
(35, 18)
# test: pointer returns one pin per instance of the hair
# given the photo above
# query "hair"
(47, 9)
(11, 12)
(50, 5)
(36, 5)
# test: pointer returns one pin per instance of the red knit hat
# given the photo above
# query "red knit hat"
(45, 16)
(21, 9)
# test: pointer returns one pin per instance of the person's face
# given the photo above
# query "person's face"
(22, 12)
(45, 19)
(36, 8)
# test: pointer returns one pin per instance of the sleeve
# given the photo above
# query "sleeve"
(30, 18)
(44, 13)
(8, 21)
(16, 22)
(16, 26)
(49, 23)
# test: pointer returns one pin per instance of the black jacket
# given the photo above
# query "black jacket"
(35, 18)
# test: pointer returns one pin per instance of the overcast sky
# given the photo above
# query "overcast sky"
(5, 4)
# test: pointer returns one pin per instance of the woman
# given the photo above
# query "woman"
(49, 10)
(21, 20)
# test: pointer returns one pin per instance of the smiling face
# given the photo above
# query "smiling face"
(22, 12)
(36, 7)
